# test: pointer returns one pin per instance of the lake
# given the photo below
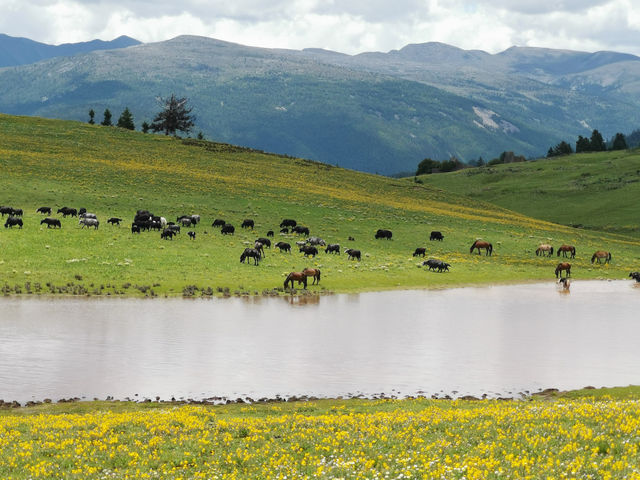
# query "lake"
(498, 340)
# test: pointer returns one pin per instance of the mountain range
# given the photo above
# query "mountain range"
(376, 112)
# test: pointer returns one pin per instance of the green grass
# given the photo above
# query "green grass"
(113, 172)
(591, 190)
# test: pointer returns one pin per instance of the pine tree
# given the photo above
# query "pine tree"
(175, 116)
(583, 144)
(145, 127)
(126, 120)
(107, 118)
(597, 142)
(619, 142)
(92, 114)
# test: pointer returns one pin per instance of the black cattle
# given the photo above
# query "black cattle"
(51, 222)
(316, 241)
(167, 234)
(185, 221)
(260, 247)
(250, 253)
(283, 247)
(218, 223)
(351, 239)
(142, 217)
(155, 225)
(353, 254)
(436, 236)
(16, 212)
(87, 215)
(82, 210)
(284, 230)
(192, 235)
(384, 234)
(287, 222)
(174, 228)
(227, 229)
(114, 221)
(434, 264)
(635, 276)
(332, 248)
(270, 233)
(12, 222)
(420, 251)
(143, 225)
(264, 241)
(299, 229)
(247, 223)
(44, 210)
(144, 212)
(308, 250)
(135, 228)
(6, 211)
(68, 211)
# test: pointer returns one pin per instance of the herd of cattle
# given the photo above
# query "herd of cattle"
(144, 220)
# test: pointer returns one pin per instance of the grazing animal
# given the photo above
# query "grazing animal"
(250, 253)
(567, 249)
(635, 276)
(89, 222)
(434, 264)
(420, 251)
(167, 234)
(68, 211)
(114, 221)
(51, 222)
(353, 254)
(299, 277)
(543, 249)
(174, 228)
(284, 230)
(6, 211)
(44, 210)
(260, 248)
(300, 230)
(283, 247)
(195, 219)
(82, 210)
(185, 221)
(270, 233)
(481, 244)
(192, 235)
(88, 215)
(16, 212)
(601, 256)
(308, 250)
(12, 222)
(227, 229)
(264, 241)
(218, 223)
(351, 239)
(312, 272)
(316, 241)
(247, 223)
(564, 266)
(384, 234)
(435, 235)
(333, 248)
(287, 222)
(135, 228)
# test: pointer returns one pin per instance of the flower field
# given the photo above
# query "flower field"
(113, 172)
(582, 437)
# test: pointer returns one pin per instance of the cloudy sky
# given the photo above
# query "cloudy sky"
(349, 26)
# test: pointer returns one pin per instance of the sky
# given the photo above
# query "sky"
(348, 26)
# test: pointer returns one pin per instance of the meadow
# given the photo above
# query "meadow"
(583, 434)
(114, 172)
(590, 190)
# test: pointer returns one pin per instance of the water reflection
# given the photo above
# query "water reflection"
(497, 340)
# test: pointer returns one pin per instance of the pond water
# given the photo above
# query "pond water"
(500, 340)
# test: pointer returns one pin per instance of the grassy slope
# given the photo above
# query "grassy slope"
(114, 172)
(595, 190)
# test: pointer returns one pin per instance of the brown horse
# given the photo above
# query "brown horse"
(567, 248)
(544, 248)
(481, 244)
(312, 272)
(299, 277)
(601, 255)
(563, 266)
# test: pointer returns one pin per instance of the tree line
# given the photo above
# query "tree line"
(175, 116)
(595, 143)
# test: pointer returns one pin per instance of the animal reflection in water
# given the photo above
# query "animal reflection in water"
(564, 284)
(635, 276)
(564, 266)
(481, 244)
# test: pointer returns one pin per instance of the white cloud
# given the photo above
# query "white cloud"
(347, 26)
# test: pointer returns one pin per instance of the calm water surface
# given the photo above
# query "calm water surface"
(494, 340)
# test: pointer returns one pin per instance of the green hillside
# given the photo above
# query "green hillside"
(113, 172)
(592, 190)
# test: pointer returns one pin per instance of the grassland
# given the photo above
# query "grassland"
(585, 434)
(113, 173)
(592, 190)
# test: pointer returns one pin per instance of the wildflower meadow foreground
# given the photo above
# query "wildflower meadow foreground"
(584, 437)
